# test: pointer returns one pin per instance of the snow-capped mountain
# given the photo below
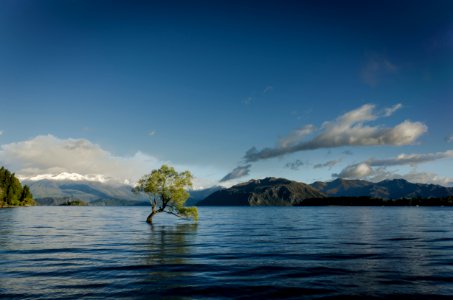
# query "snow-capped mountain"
(96, 189)
(65, 176)
(50, 189)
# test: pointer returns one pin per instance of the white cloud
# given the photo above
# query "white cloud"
(69, 176)
(380, 174)
(328, 164)
(49, 157)
(152, 133)
(238, 172)
(361, 114)
(296, 136)
(349, 129)
(376, 170)
(410, 159)
(1, 132)
(47, 154)
(356, 171)
(363, 171)
(391, 110)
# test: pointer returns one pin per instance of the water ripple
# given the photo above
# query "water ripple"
(241, 253)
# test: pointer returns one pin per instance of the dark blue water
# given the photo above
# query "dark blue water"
(248, 253)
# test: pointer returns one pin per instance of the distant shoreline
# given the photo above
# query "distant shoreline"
(328, 201)
(362, 201)
(368, 201)
(15, 206)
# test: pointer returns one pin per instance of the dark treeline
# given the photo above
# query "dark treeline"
(11, 191)
(75, 202)
(369, 201)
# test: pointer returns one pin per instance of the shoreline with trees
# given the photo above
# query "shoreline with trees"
(369, 201)
(12, 194)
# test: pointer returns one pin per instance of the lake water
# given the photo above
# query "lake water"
(233, 252)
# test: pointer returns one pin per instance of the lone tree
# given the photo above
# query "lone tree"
(167, 190)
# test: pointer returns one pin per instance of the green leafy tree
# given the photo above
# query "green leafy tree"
(11, 191)
(26, 198)
(167, 190)
(14, 191)
(1, 197)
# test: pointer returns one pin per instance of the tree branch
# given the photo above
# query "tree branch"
(175, 214)
(164, 203)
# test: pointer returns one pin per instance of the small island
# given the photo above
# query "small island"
(74, 202)
(11, 191)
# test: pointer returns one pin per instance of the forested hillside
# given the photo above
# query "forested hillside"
(11, 191)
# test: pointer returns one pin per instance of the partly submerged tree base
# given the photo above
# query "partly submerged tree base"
(184, 213)
(149, 220)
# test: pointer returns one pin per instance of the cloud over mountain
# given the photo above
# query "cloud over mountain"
(47, 154)
(410, 159)
(355, 171)
(349, 129)
(376, 169)
(54, 158)
(238, 172)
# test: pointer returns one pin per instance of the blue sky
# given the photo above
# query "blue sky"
(135, 84)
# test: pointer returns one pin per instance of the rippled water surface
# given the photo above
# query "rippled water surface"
(248, 252)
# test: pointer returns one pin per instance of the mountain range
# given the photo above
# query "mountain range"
(387, 189)
(267, 191)
(97, 193)
(279, 191)
(55, 192)
(263, 192)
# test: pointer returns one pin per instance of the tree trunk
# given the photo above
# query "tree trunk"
(149, 220)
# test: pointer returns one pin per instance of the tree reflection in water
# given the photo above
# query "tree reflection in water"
(169, 258)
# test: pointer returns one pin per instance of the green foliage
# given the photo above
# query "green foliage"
(26, 198)
(168, 192)
(74, 203)
(11, 191)
(189, 212)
